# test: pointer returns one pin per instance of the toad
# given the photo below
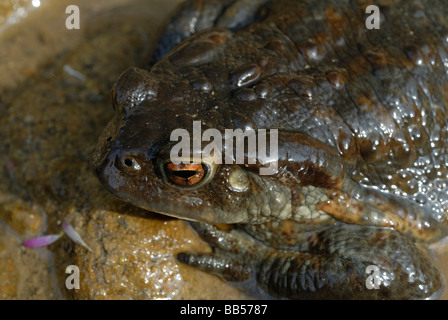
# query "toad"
(361, 183)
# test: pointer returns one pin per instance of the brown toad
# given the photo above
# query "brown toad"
(362, 139)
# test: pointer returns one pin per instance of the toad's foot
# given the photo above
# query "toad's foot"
(334, 264)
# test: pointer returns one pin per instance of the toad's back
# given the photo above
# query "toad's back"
(378, 96)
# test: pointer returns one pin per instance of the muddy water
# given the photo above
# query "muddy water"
(54, 102)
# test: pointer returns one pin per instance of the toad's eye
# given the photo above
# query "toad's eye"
(188, 174)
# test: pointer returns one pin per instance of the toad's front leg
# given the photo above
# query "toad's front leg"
(334, 264)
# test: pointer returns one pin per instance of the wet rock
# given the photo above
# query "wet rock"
(24, 272)
(21, 217)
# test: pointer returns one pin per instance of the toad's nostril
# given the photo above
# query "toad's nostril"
(128, 162)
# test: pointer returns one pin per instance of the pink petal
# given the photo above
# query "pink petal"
(42, 241)
(71, 232)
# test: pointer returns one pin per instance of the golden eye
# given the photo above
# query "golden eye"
(188, 174)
